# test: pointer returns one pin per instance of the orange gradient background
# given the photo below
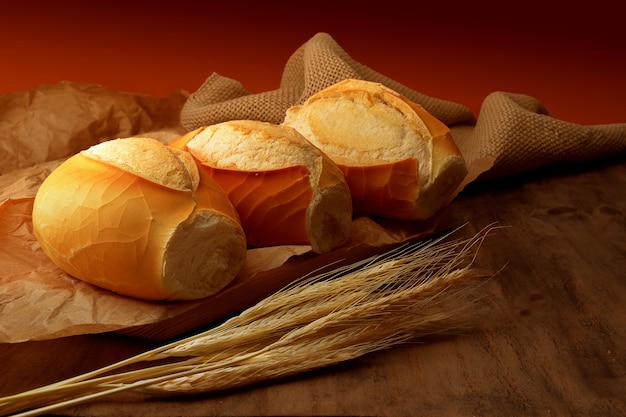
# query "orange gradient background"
(570, 57)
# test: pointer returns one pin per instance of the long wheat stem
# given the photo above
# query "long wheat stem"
(374, 304)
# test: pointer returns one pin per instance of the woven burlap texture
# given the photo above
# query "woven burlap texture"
(515, 130)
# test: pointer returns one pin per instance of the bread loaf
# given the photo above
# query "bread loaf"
(284, 189)
(130, 215)
(399, 161)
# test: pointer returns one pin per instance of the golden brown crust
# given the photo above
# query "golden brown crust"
(374, 131)
(247, 152)
(117, 229)
(148, 159)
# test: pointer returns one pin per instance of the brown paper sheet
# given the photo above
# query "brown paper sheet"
(39, 301)
(54, 121)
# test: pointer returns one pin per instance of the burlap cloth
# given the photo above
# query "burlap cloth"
(513, 129)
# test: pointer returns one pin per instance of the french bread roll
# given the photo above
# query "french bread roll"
(399, 161)
(285, 190)
(130, 215)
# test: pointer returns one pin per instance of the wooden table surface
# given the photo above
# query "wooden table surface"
(551, 338)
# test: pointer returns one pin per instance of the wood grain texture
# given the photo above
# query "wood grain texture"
(550, 338)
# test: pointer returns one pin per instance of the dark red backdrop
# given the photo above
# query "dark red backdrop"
(571, 58)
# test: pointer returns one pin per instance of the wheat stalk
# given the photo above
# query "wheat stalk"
(409, 292)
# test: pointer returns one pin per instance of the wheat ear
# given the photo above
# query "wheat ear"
(409, 292)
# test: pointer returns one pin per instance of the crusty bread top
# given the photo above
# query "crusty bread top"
(149, 159)
(361, 122)
(251, 145)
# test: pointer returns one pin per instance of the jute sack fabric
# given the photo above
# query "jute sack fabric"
(514, 130)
